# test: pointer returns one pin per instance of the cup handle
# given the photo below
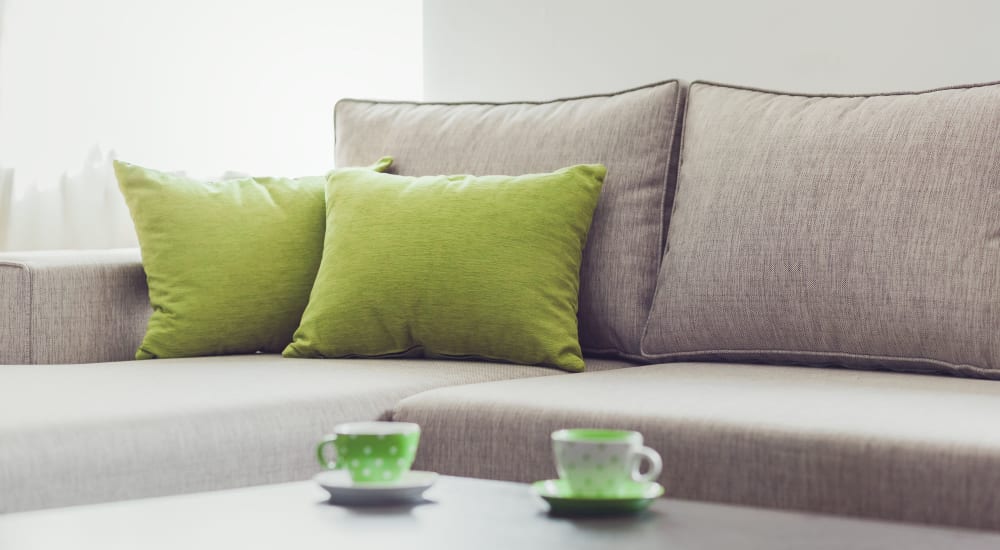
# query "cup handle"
(327, 441)
(655, 465)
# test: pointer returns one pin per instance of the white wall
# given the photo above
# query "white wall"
(537, 49)
(203, 86)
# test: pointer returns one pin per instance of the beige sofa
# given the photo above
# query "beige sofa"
(762, 414)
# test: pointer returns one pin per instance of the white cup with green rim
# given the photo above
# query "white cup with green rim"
(371, 452)
(598, 463)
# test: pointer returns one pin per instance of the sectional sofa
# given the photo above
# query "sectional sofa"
(796, 298)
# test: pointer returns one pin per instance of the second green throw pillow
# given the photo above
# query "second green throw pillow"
(451, 266)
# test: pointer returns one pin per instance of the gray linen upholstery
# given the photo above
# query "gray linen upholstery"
(632, 133)
(75, 434)
(857, 230)
(874, 444)
(71, 306)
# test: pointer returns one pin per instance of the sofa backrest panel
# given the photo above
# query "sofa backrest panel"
(860, 231)
(632, 133)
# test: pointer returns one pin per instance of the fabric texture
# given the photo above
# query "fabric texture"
(71, 306)
(632, 133)
(451, 266)
(79, 434)
(861, 231)
(230, 263)
(881, 445)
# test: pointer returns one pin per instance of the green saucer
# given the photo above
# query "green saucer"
(563, 503)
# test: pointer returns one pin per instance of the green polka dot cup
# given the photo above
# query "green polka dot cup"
(603, 463)
(372, 452)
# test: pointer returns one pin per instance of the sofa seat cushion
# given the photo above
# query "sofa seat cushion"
(874, 444)
(76, 434)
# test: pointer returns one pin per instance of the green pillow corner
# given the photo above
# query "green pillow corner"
(469, 267)
(229, 264)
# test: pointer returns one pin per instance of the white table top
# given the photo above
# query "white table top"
(459, 513)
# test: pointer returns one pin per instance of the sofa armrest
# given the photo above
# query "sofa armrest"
(71, 306)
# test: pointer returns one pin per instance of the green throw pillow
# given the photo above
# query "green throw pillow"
(229, 264)
(451, 266)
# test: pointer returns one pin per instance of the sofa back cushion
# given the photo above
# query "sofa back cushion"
(632, 133)
(861, 231)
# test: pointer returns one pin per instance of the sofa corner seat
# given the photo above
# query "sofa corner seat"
(88, 433)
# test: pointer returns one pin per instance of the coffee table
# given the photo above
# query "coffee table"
(459, 513)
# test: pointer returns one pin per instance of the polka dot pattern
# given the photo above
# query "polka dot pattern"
(376, 458)
(599, 470)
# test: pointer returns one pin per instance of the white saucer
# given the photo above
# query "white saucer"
(343, 490)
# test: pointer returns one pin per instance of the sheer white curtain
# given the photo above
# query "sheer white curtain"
(201, 86)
